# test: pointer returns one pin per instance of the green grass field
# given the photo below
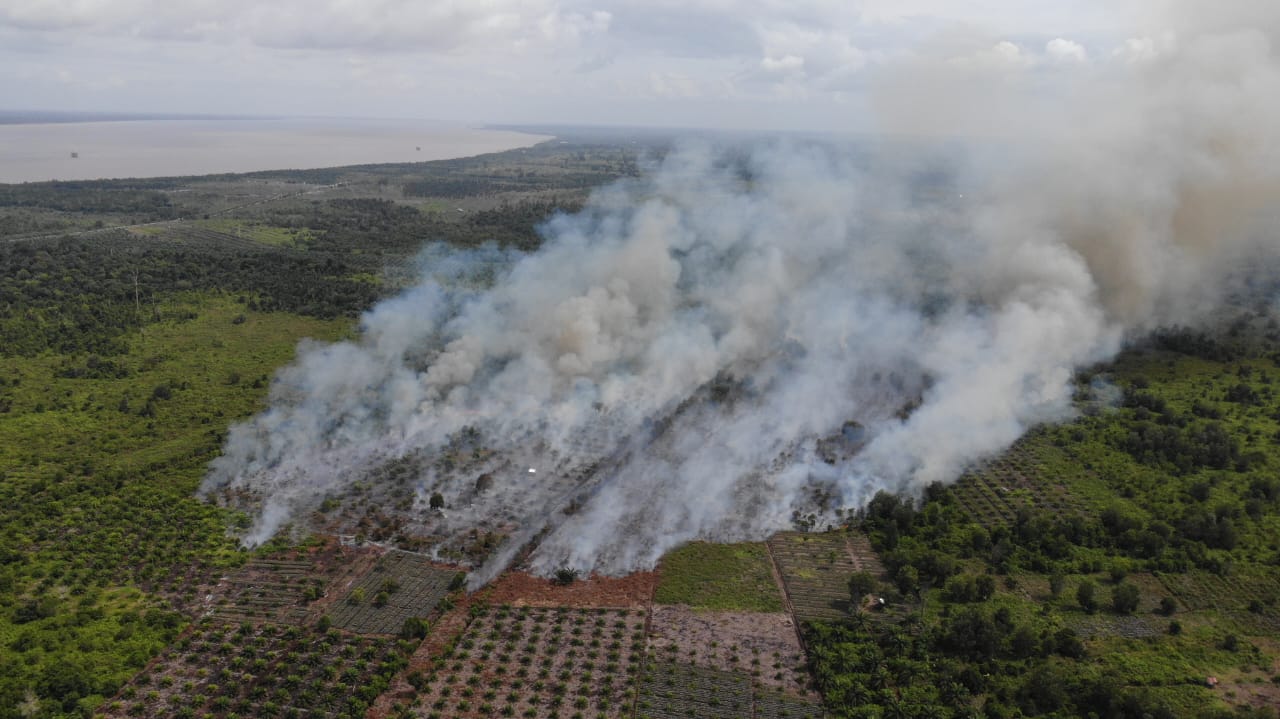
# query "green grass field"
(723, 577)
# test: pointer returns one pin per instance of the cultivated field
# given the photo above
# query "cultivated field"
(401, 586)
(1258, 591)
(763, 646)
(288, 587)
(719, 576)
(816, 569)
(539, 663)
(670, 690)
(994, 492)
(267, 671)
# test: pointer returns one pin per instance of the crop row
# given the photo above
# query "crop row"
(764, 646)
(1128, 627)
(532, 662)
(995, 491)
(1203, 590)
(680, 691)
(262, 671)
(266, 590)
(402, 585)
(815, 569)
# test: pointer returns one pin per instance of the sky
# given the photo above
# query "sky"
(807, 65)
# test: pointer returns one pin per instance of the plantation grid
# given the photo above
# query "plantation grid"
(671, 690)
(216, 670)
(418, 588)
(539, 662)
(994, 492)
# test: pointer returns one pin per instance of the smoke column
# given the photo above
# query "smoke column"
(672, 358)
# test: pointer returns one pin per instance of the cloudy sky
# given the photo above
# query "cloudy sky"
(763, 64)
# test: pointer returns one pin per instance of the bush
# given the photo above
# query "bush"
(1087, 595)
(1125, 598)
(860, 585)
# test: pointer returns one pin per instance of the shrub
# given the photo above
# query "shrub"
(1087, 595)
(1125, 598)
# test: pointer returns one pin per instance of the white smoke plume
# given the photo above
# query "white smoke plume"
(676, 359)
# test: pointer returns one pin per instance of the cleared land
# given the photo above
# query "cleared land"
(291, 587)
(521, 589)
(763, 646)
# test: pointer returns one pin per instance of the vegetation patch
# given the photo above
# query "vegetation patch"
(265, 671)
(675, 690)
(719, 576)
(1029, 476)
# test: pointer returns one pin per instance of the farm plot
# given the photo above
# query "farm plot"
(994, 492)
(816, 568)
(267, 590)
(286, 588)
(402, 585)
(1129, 627)
(719, 577)
(537, 662)
(682, 691)
(264, 671)
(672, 690)
(187, 233)
(1240, 590)
(781, 706)
(763, 646)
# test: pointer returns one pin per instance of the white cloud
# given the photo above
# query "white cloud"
(1066, 52)
(514, 60)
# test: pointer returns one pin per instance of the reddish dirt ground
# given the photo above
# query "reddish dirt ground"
(519, 589)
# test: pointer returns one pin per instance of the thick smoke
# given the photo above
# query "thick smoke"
(743, 334)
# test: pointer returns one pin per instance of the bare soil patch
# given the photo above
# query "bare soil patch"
(762, 646)
(521, 589)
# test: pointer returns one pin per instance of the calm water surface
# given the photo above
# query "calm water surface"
(160, 148)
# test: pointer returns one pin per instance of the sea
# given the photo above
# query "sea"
(35, 148)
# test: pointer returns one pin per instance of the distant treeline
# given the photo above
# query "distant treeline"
(95, 197)
(82, 295)
(366, 225)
